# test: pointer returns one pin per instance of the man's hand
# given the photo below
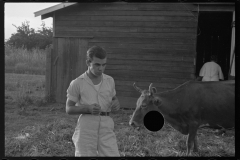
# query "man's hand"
(115, 104)
(95, 109)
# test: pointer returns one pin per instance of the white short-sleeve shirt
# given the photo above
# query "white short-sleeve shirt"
(211, 71)
(82, 91)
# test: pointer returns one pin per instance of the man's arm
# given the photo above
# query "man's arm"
(71, 109)
(221, 77)
(76, 110)
(115, 104)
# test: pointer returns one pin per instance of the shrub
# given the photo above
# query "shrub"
(23, 100)
(40, 102)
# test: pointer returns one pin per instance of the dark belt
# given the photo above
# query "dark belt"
(104, 113)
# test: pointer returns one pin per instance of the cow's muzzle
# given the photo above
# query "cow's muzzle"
(134, 124)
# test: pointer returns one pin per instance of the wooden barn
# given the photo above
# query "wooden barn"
(147, 42)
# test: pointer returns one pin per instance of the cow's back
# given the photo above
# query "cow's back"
(218, 103)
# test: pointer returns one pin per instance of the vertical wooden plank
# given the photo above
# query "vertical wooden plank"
(195, 51)
(74, 50)
(48, 73)
(54, 22)
(60, 63)
(54, 58)
(66, 67)
(81, 58)
(71, 62)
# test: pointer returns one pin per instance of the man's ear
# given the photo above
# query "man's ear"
(88, 62)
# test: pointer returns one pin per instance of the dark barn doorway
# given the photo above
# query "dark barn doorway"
(214, 37)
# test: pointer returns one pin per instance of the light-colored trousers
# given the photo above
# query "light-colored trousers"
(94, 137)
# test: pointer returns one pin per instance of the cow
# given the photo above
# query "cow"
(189, 106)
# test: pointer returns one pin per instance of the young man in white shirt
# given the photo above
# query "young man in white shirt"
(211, 71)
(92, 95)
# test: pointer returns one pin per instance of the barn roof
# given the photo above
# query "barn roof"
(48, 12)
(45, 13)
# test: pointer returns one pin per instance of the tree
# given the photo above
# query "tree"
(30, 38)
(45, 36)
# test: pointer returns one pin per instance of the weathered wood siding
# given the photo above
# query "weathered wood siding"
(146, 42)
(68, 62)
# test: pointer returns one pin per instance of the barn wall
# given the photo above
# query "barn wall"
(68, 62)
(146, 42)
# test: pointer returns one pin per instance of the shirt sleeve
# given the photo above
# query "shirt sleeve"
(73, 91)
(113, 88)
(202, 71)
(220, 74)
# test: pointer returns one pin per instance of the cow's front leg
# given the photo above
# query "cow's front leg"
(191, 138)
(195, 149)
(189, 144)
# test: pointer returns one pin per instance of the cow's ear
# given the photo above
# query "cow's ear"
(154, 90)
(157, 101)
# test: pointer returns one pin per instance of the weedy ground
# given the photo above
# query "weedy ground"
(36, 126)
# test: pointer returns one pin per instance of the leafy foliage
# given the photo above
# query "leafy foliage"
(30, 38)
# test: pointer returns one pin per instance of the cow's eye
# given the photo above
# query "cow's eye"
(143, 106)
(156, 102)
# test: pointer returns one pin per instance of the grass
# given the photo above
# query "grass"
(36, 127)
(42, 140)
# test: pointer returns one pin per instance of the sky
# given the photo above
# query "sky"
(17, 13)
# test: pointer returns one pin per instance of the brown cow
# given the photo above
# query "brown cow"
(188, 106)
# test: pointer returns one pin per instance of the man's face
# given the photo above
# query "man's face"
(97, 66)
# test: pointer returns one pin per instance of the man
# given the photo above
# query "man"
(92, 95)
(211, 71)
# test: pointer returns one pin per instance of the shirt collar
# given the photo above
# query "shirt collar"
(85, 76)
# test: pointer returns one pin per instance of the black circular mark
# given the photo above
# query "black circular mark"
(153, 121)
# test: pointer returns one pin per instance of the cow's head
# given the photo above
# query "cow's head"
(146, 102)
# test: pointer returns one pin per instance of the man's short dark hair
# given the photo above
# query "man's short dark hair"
(96, 51)
(214, 58)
